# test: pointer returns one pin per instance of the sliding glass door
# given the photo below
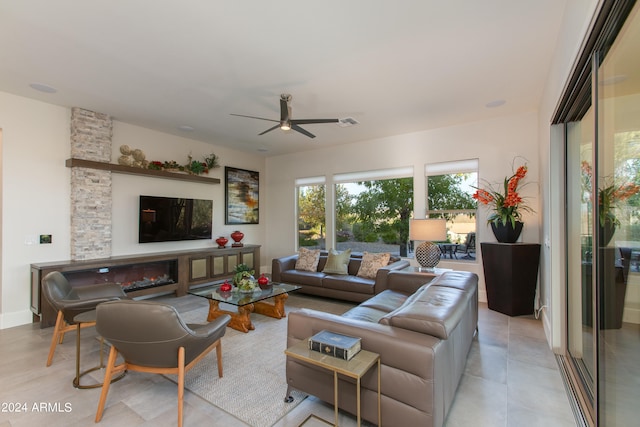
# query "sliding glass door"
(602, 221)
(618, 187)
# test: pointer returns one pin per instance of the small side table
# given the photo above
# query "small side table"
(83, 320)
(435, 271)
(354, 368)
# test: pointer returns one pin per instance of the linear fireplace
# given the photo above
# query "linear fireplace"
(131, 277)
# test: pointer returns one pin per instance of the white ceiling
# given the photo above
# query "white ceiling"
(395, 66)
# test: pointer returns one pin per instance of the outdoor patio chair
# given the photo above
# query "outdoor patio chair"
(468, 247)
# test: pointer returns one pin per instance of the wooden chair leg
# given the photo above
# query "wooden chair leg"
(180, 384)
(108, 373)
(219, 357)
(57, 335)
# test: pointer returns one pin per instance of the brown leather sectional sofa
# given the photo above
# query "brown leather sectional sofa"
(422, 326)
(348, 287)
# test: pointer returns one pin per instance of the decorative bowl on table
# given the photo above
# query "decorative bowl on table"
(264, 282)
(247, 285)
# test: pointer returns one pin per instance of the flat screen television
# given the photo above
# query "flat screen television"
(167, 219)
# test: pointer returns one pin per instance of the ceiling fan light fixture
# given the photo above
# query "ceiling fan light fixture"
(285, 126)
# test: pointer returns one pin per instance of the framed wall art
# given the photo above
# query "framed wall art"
(241, 196)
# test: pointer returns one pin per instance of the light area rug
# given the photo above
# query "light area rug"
(254, 385)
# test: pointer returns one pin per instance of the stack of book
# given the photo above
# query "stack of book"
(334, 344)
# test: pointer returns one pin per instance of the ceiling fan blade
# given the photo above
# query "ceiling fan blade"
(302, 131)
(270, 129)
(254, 117)
(310, 121)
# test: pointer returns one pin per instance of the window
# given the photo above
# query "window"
(450, 187)
(311, 196)
(373, 210)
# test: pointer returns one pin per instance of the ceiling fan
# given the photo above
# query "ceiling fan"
(286, 122)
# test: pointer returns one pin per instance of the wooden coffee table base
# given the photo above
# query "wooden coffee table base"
(275, 310)
(241, 320)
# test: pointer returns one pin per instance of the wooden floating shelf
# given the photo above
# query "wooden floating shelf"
(80, 163)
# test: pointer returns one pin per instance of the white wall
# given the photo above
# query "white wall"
(161, 146)
(35, 193)
(494, 142)
(35, 196)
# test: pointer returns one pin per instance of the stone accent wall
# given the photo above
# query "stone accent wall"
(91, 198)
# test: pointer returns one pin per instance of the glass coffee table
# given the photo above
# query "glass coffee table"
(246, 303)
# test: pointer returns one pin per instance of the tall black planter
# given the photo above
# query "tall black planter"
(511, 276)
(506, 233)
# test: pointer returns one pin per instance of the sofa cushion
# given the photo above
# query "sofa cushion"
(299, 277)
(433, 310)
(308, 259)
(349, 283)
(371, 263)
(386, 301)
(337, 262)
(366, 314)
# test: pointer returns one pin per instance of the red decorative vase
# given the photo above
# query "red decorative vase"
(263, 281)
(221, 241)
(237, 236)
(225, 287)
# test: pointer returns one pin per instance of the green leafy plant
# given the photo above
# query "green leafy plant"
(212, 161)
(243, 277)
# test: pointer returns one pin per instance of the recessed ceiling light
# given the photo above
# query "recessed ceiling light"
(496, 103)
(40, 87)
(186, 128)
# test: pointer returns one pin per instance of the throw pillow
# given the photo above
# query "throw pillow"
(337, 262)
(308, 259)
(371, 263)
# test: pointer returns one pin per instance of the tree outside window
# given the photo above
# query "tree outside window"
(373, 216)
(311, 216)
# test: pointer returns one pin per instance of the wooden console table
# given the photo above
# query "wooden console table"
(190, 268)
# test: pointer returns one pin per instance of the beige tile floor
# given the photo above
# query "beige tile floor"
(511, 379)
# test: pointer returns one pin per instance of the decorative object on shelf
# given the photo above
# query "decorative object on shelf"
(155, 165)
(506, 233)
(608, 197)
(428, 230)
(212, 161)
(222, 242)
(506, 203)
(195, 167)
(237, 236)
(241, 196)
(263, 281)
(172, 166)
(132, 157)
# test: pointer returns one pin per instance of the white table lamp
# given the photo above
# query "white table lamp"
(428, 230)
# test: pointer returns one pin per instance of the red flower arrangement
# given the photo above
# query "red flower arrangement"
(507, 203)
